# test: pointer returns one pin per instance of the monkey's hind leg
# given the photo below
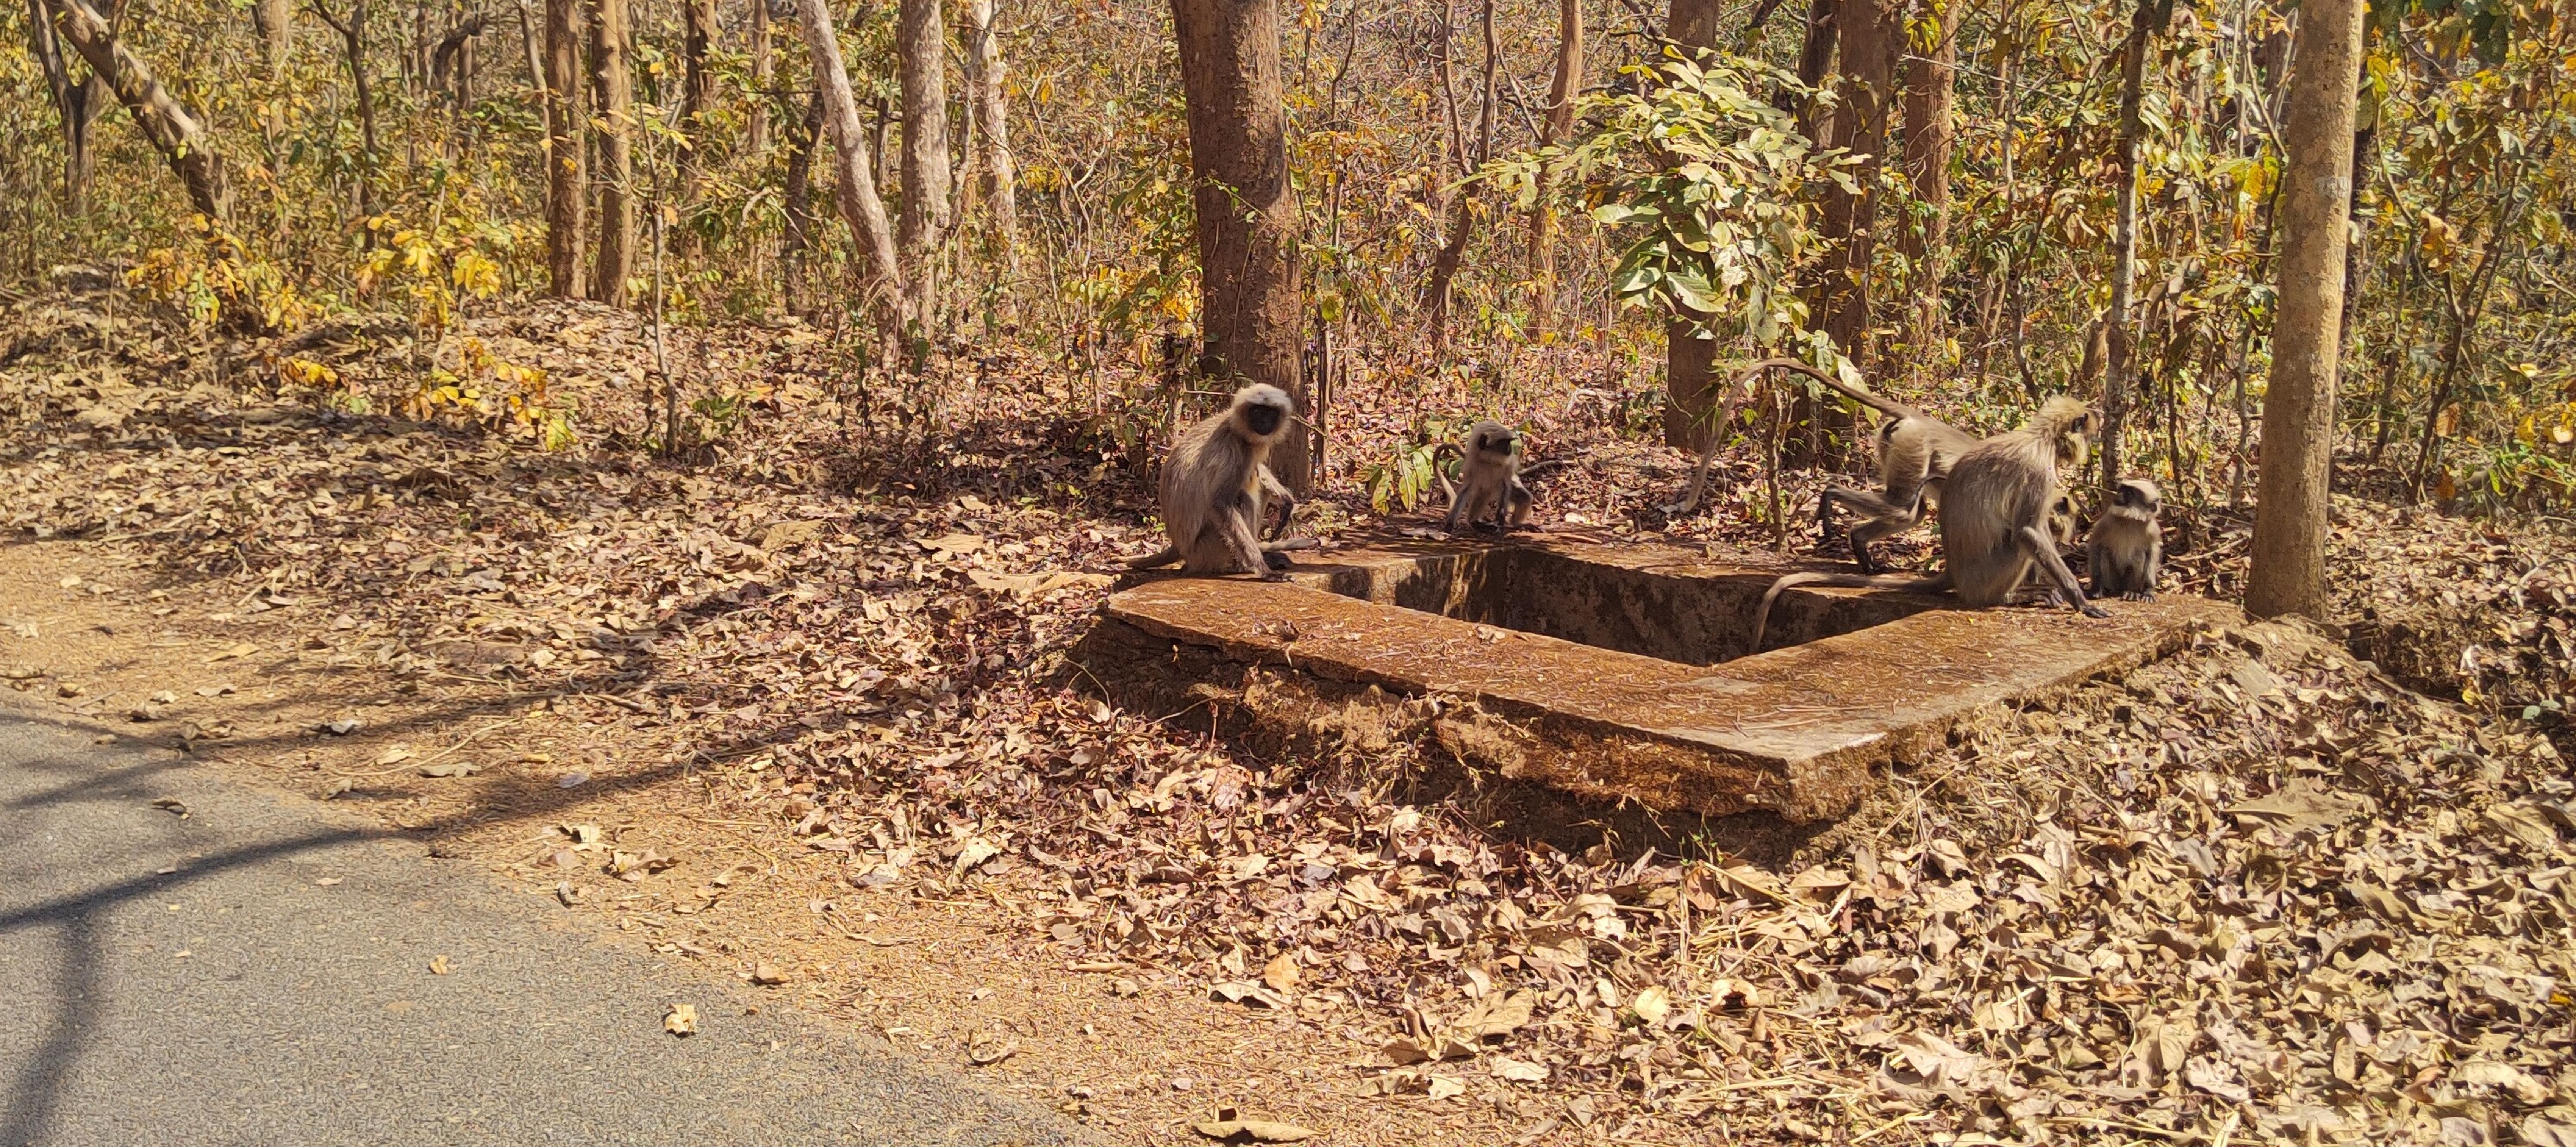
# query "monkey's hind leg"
(2042, 550)
(1242, 536)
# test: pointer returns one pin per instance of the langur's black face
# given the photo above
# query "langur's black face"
(1495, 442)
(2139, 495)
(1263, 418)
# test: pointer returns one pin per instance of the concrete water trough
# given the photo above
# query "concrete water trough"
(1612, 672)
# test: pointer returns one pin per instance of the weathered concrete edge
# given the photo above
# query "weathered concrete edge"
(1663, 769)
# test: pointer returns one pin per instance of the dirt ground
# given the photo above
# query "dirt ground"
(790, 707)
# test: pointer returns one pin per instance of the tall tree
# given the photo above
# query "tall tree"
(612, 84)
(1553, 130)
(995, 169)
(76, 102)
(353, 52)
(276, 21)
(1689, 356)
(921, 69)
(2121, 337)
(1444, 268)
(756, 135)
(565, 162)
(2289, 546)
(183, 142)
(1246, 206)
(698, 88)
(855, 182)
(1871, 35)
(1931, 71)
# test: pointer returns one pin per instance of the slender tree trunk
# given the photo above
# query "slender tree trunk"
(698, 92)
(182, 141)
(756, 133)
(1444, 269)
(921, 46)
(1930, 89)
(353, 52)
(1689, 356)
(1558, 125)
(71, 101)
(2120, 326)
(2292, 503)
(276, 20)
(798, 237)
(1872, 34)
(854, 182)
(566, 142)
(612, 84)
(994, 164)
(1246, 206)
(1815, 62)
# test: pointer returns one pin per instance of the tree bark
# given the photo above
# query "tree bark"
(353, 52)
(1815, 62)
(698, 90)
(276, 21)
(1246, 207)
(1930, 89)
(1552, 131)
(2121, 338)
(756, 134)
(2292, 492)
(182, 141)
(798, 236)
(921, 46)
(565, 146)
(1444, 269)
(855, 183)
(1688, 357)
(1872, 33)
(76, 103)
(994, 166)
(612, 85)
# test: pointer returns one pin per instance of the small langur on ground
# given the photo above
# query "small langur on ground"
(1216, 481)
(2126, 550)
(1994, 519)
(2062, 520)
(1490, 475)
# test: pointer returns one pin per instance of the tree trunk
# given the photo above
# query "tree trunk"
(353, 52)
(854, 182)
(612, 85)
(1872, 34)
(994, 164)
(71, 101)
(1558, 125)
(2121, 337)
(921, 46)
(798, 237)
(1246, 207)
(2291, 507)
(565, 140)
(181, 140)
(1688, 356)
(1815, 62)
(756, 133)
(698, 91)
(1444, 269)
(276, 20)
(1930, 87)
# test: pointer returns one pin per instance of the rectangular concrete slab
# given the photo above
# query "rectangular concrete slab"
(1793, 730)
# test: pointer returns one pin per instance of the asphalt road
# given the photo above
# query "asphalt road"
(194, 981)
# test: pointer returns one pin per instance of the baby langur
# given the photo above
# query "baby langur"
(1216, 481)
(2126, 550)
(1491, 474)
(1994, 519)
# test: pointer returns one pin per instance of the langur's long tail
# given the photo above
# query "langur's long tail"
(1162, 557)
(1762, 614)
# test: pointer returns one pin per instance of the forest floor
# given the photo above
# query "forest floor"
(789, 707)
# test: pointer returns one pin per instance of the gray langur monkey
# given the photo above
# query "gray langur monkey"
(1216, 482)
(1490, 473)
(1994, 519)
(2126, 550)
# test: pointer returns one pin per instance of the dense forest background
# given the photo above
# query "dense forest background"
(391, 160)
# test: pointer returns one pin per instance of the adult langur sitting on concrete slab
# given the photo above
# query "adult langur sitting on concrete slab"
(1994, 519)
(1216, 481)
(2126, 550)
(1491, 475)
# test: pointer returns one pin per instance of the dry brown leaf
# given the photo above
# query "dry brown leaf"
(1281, 973)
(681, 1020)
